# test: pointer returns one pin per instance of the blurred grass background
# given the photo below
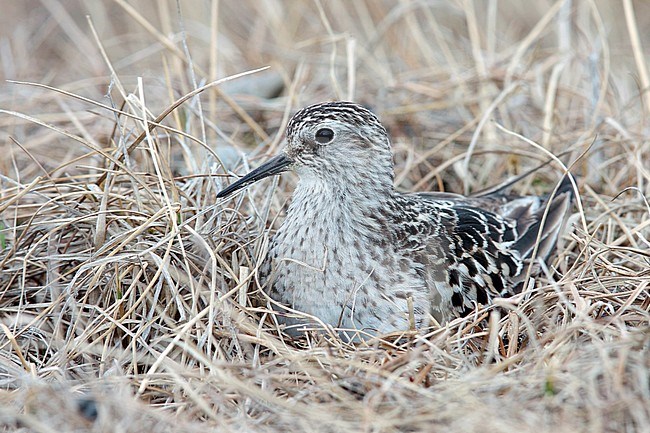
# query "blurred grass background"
(111, 319)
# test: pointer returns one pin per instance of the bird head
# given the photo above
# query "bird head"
(334, 142)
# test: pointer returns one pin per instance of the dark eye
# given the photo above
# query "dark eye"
(324, 135)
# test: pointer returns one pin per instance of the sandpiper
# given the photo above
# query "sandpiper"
(358, 255)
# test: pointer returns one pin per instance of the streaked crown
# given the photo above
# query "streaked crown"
(331, 137)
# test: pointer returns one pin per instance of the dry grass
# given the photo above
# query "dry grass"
(125, 287)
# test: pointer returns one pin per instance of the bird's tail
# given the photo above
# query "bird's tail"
(544, 222)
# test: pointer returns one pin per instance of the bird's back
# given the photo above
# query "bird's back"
(473, 249)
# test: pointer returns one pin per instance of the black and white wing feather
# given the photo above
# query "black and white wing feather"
(475, 249)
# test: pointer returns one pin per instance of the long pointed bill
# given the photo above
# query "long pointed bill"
(273, 166)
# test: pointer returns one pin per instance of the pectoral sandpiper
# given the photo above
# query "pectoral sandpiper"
(357, 254)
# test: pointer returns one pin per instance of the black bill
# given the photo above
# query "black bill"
(273, 166)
